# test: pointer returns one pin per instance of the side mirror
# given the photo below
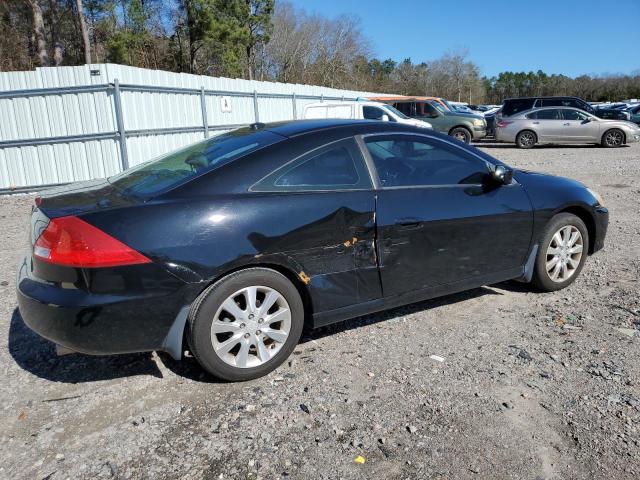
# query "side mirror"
(587, 120)
(502, 175)
(384, 117)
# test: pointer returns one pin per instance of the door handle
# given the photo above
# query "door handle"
(536, 123)
(408, 222)
(566, 124)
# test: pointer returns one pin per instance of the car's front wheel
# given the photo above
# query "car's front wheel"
(613, 138)
(562, 252)
(461, 133)
(246, 324)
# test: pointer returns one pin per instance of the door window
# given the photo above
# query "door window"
(402, 161)
(426, 110)
(374, 113)
(550, 114)
(573, 115)
(337, 166)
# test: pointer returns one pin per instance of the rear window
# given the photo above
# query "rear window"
(511, 107)
(166, 172)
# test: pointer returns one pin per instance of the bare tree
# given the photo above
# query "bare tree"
(84, 31)
(39, 32)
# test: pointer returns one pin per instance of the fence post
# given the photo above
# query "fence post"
(122, 137)
(203, 107)
(321, 97)
(255, 105)
(293, 104)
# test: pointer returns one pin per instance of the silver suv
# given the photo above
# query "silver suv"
(564, 125)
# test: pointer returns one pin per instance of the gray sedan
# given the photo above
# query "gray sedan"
(564, 125)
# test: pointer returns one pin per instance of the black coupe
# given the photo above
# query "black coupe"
(229, 247)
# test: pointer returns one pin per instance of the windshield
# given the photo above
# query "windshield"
(439, 106)
(449, 106)
(168, 171)
(395, 111)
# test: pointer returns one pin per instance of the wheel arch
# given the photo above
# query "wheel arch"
(460, 126)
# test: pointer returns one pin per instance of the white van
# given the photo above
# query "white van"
(360, 110)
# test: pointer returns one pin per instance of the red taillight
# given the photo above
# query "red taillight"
(72, 242)
(38, 201)
(503, 123)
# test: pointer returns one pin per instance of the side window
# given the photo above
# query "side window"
(512, 107)
(532, 115)
(374, 113)
(403, 107)
(403, 161)
(425, 109)
(573, 115)
(552, 102)
(337, 166)
(550, 114)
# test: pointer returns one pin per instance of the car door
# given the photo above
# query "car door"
(438, 221)
(579, 126)
(548, 125)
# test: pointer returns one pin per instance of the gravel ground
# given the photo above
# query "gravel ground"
(532, 386)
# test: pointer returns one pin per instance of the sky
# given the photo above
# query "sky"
(571, 37)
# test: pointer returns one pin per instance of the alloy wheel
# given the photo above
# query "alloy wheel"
(251, 326)
(613, 138)
(527, 139)
(564, 253)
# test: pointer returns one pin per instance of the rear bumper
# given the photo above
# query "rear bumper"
(95, 323)
(601, 218)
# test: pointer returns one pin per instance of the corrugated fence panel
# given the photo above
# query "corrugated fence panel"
(60, 124)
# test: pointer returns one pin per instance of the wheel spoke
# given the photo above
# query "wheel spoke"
(243, 355)
(269, 300)
(557, 238)
(280, 315)
(552, 250)
(263, 352)
(556, 271)
(250, 295)
(232, 307)
(224, 347)
(219, 326)
(575, 249)
(573, 238)
(574, 262)
(552, 263)
(277, 335)
(563, 268)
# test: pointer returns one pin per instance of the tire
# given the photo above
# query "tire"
(526, 139)
(245, 331)
(613, 138)
(542, 275)
(461, 133)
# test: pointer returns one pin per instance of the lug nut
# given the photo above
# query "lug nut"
(258, 332)
(250, 316)
(246, 335)
(242, 325)
(260, 320)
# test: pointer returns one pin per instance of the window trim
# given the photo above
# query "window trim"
(360, 139)
(309, 153)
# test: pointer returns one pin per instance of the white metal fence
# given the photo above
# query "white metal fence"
(64, 124)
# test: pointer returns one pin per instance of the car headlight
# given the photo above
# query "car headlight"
(597, 196)
(478, 122)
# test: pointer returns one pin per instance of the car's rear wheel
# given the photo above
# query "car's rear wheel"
(562, 252)
(461, 133)
(245, 325)
(526, 139)
(613, 138)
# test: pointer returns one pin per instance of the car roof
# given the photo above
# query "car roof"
(294, 128)
(540, 96)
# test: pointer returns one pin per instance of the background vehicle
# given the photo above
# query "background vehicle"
(360, 110)
(634, 113)
(462, 126)
(511, 106)
(239, 241)
(564, 125)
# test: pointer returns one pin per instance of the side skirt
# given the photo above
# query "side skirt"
(333, 316)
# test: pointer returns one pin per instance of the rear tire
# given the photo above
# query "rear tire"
(526, 139)
(461, 133)
(232, 337)
(613, 138)
(563, 249)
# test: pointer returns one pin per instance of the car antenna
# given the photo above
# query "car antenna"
(257, 125)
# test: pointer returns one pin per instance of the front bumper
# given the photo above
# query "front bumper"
(133, 320)
(633, 137)
(479, 132)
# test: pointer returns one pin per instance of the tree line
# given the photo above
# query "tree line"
(258, 39)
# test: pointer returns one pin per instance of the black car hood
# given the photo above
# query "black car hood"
(82, 197)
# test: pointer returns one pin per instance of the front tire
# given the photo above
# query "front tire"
(461, 133)
(526, 139)
(246, 324)
(562, 252)
(613, 138)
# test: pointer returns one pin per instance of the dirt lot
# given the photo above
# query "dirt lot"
(532, 386)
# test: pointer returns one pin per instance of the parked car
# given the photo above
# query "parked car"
(390, 100)
(236, 243)
(634, 113)
(512, 106)
(360, 109)
(462, 126)
(564, 125)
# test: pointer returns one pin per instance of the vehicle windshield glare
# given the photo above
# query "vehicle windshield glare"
(395, 111)
(168, 171)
